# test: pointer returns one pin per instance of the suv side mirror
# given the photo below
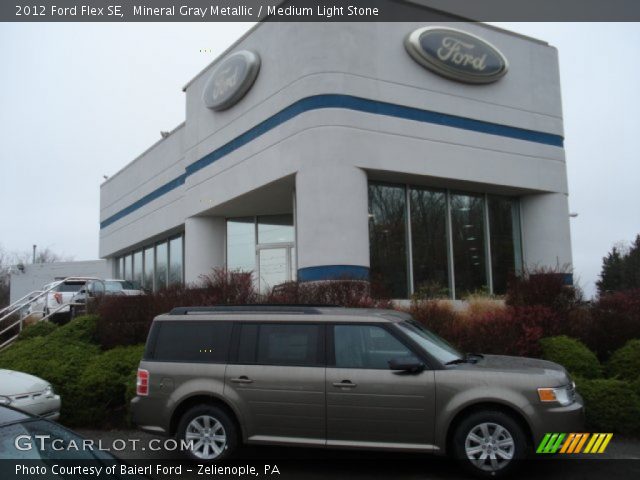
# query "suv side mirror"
(410, 364)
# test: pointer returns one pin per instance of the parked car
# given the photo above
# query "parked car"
(61, 293)
(35, 442)
(99, 288)
(342, 378)
(28, 393)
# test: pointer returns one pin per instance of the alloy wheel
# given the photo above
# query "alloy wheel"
(208, 436)
(489, 446)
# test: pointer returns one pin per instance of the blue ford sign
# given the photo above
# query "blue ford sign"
(456, 54)
(231, 80)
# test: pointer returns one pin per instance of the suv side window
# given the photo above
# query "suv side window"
(289, 344)
(191, 341)
(366, 346)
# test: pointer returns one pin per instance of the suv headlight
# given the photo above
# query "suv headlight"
(561, 395)
(48, 391)
(5, 400)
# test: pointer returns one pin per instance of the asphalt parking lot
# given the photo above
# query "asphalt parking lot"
(621, 460)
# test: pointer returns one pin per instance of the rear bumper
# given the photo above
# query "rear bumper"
(147, 417)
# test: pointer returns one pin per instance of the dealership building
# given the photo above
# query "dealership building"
(421, 156)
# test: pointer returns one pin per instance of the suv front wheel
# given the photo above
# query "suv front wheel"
(489, 442)
(212, 433)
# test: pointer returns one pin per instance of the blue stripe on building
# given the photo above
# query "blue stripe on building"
(347, 102)
(333, 272)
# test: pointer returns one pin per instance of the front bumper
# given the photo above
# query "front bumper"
(47, 407)
(569, 419)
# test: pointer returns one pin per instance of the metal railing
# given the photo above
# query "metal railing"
(28, 300)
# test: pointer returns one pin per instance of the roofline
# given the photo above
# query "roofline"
(222, 55)
(171, 132)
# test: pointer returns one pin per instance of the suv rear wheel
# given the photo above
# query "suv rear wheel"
(212, 432)
(489, 442)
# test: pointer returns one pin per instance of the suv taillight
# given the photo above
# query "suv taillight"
(142, 384)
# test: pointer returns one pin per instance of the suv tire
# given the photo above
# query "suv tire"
(489, 443)
(213, 432)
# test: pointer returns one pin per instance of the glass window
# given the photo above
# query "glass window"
(429, 241)
(199, 341)
(290, 344)
(366, 346)
(161, 265)
(467, 230)
(137, 267)
(120, 267)
(431, 342)
(276, 229)
(148, 268)
(175, 260)
(387, 233)
(241, 245)
(273, 267)
(504, 229)
(128, 267)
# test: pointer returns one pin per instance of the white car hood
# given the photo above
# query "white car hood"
(16, 383)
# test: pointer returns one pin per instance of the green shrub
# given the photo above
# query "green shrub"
(103, 386)
(59, 362)
(625, 362)
(572, 355)
(81, 329)
(611, 405)
(40, 329)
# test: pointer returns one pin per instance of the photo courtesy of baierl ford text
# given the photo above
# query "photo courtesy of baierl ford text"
(319, 239)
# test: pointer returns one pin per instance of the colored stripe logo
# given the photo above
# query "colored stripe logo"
(572, 443)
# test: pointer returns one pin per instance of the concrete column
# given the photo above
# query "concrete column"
(546, 235)
(332, 222)
(204, 246)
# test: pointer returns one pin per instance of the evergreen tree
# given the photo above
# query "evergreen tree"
(620, 269)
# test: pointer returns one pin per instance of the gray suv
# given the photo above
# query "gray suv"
(342, 378)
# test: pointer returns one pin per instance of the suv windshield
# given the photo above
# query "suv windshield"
(432, 343)
(70, 287)
(119, 285)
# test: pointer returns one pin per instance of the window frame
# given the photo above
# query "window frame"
(236, 334)
(152, 343)
(406, 341)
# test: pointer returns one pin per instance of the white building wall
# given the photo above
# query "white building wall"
(365, 60)
(35, 276)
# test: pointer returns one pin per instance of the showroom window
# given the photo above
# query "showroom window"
(175, 261)
(154, 266)
(388, 238)
(441, 243)
(137, 268)
(263, 245)
(467, 237)
(149, 264)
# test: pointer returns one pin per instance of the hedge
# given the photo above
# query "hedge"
(611, 405)
(40, 329)
(92, 384)
(572, 355)
(625, 362)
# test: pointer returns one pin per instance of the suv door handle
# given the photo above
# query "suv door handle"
(345, 384)
(242, 379)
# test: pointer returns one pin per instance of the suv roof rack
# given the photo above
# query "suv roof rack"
(256, 307)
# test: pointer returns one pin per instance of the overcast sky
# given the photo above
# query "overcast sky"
(82, 100)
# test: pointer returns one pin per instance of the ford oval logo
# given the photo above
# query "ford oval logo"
(231, 80)
(456, 54)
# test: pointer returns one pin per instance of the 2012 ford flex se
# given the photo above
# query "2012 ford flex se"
(342, 378)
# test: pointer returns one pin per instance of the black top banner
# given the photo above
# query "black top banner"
(317, 10)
